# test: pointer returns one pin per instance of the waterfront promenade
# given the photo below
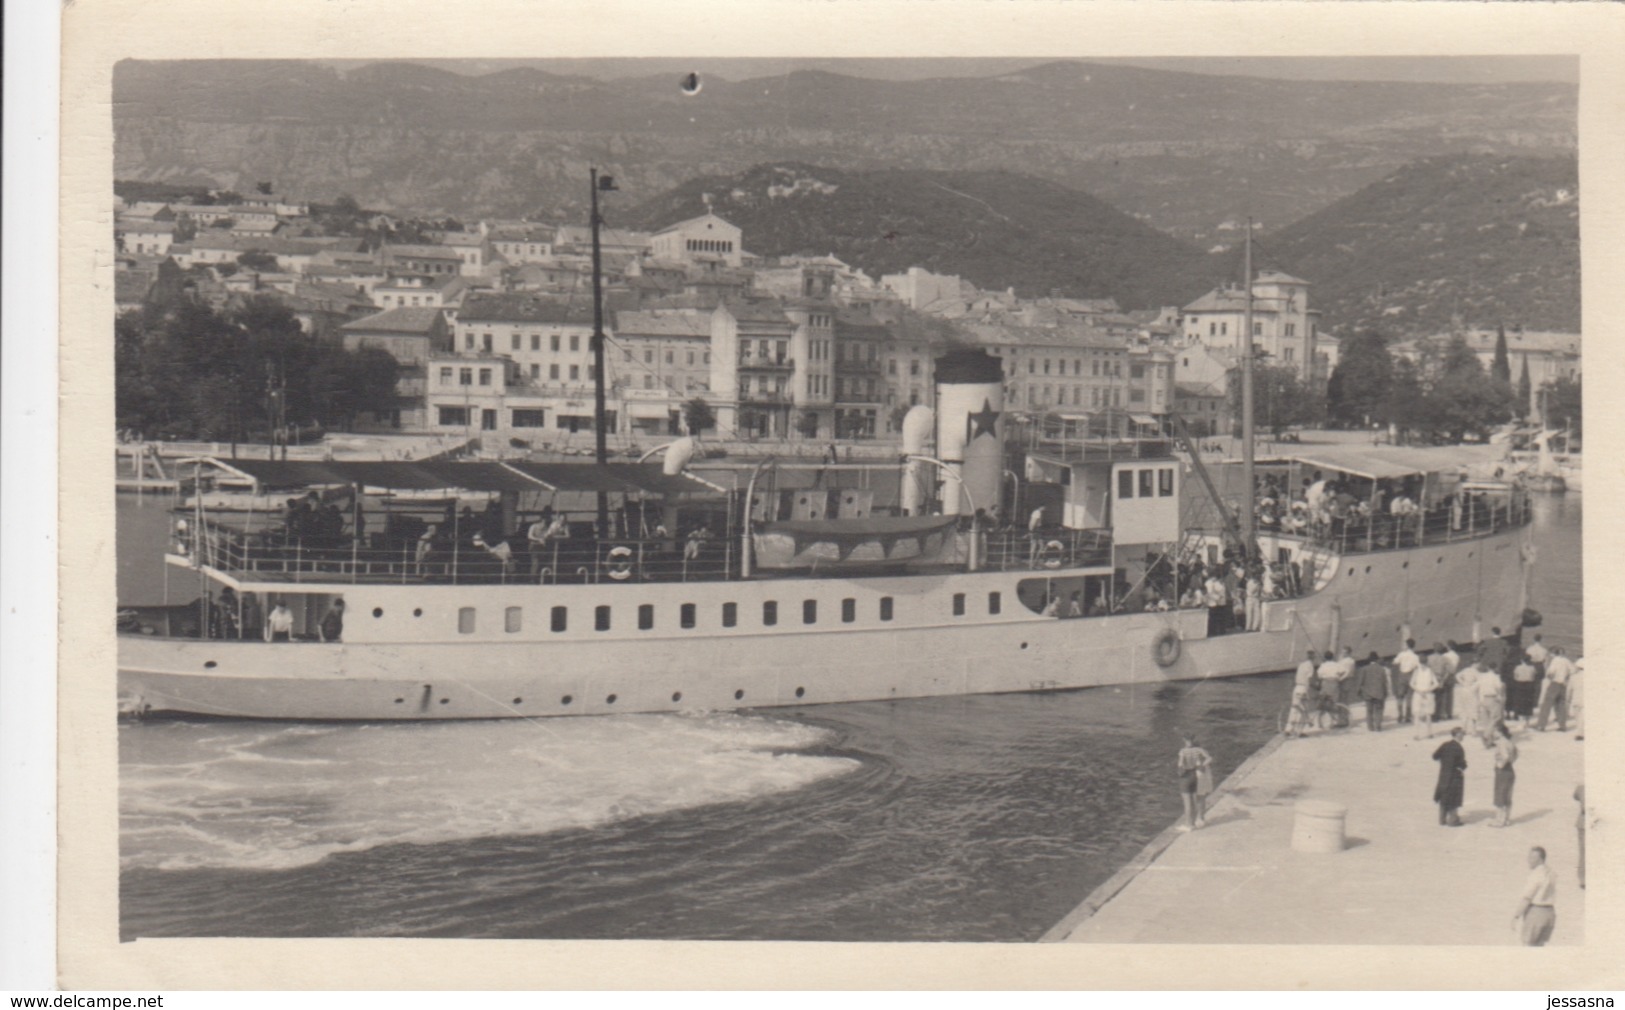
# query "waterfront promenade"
(1401, 878)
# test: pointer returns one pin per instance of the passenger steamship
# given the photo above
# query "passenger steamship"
(812, 587)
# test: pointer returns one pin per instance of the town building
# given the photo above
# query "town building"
(707, 237)
(1284, 327)
(144, 235)
(434, 260)
(1548, 355)
(657, 361)
(411, 336)
(924, 291)
(860, 383)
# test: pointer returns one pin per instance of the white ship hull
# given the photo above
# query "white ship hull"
(414, 651)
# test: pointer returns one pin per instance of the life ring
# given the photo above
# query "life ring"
(1165, 647)
(1053, 554)
(618, 563)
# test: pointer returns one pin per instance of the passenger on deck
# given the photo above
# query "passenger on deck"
(425, 545)
(332, 626)
(279, 627)
(1052, 606)
(253, 620)
(500, 551)
(1074, 607)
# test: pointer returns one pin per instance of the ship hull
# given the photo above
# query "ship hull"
(940, 639)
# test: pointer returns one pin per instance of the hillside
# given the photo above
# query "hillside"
(996, 229)
(1180, 151)
(1496, 240)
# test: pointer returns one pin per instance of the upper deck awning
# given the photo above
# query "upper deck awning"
(433, 475)
(1386, 462)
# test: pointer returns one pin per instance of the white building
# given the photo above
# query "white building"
(1284, 327)
(706, 236)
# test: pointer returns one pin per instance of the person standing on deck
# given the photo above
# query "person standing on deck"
(1491, 702)
(1218, 606)
(1255, 600)
(332, 626)
(1536, 916)
(1444, 663)
(1452, 782)
(279, 627)
(1424, 686)
(1559, 671)
(1345, 678)
(1373, 687)
(1405, 666)
(1506, 755)
(1192, 762)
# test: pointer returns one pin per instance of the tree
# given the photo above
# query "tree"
(1501, 367)
(1524, 389)
(1280, 399)
(698, 416)
(1359, 385)
(1404, 403)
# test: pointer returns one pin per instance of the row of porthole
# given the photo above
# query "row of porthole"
(676, 696)
(1438, 561)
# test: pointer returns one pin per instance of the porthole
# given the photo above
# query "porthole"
(417, 611)
(739, 695)
(210, 664)
(1405, 565)
(801, 692)
(519, 701)
(1438, 560)
(378, 611)
(400, 701)
(1368, 569)
(610, 700)
(1469, 553)
(445, 701)
(1365, 634)
(677, 696)
(566, 700)
(1351, 571)
(1023, 645)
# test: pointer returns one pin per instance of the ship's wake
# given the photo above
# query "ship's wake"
(196, 794)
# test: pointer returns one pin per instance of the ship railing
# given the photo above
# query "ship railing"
(271, 556)
(1045, 549)
(1458, 518)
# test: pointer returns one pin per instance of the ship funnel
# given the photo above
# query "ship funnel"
(678, 455)
(917, 425)
(970, 438)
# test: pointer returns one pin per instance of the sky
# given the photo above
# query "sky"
(1454, 69)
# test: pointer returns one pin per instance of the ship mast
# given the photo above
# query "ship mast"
(605, 184)
(1248, 538)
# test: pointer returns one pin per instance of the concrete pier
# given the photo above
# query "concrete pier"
(1400, 878)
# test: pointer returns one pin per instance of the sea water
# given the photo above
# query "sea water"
(972, 818)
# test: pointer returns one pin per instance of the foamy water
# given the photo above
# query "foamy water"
(272, 796)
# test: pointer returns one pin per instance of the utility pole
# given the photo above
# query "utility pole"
(1248, 537)
(605, 184)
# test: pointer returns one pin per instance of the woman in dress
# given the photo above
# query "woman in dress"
(1194, 766)
(1506, 755)
(1452, 778)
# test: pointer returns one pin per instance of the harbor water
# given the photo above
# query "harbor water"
(977, 818)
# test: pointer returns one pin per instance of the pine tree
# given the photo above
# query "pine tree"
(1501, 367)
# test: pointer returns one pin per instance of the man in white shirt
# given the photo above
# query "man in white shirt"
(1559, 670)
(1537, 912)
(1332, 679)
(1405, 665)
(1423, 685)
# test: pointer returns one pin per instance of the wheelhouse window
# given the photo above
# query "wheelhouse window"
(1145, 483)
(1165, 482)
(1125, 483)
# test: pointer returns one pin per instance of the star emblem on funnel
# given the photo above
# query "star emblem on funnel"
(983, 420)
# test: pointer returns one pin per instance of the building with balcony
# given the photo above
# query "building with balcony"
(860, 384)
(658, 360)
